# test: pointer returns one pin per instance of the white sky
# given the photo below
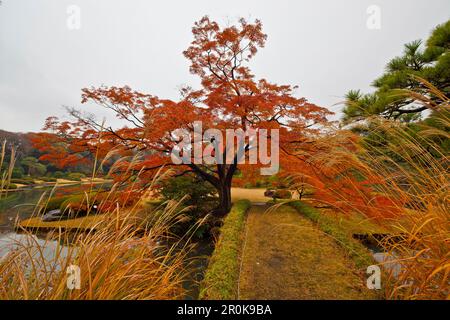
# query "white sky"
(325, 47)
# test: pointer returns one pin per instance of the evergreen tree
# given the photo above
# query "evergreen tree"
(391, 98)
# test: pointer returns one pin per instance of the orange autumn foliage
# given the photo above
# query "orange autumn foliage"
(229, 98)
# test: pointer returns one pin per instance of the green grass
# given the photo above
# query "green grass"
(287, 256)
(222, 274)
(360, 254)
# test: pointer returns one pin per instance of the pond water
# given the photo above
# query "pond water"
(385, 259)
(197, 266)
(40, 249)
(22, 204)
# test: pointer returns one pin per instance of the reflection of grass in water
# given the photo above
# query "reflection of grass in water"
(24, 202)
(8, 202)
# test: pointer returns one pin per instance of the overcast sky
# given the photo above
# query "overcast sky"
(325, 47)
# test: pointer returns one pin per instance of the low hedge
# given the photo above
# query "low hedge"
(356, 250)
(48, 179)
(23, 181)
(10, 186)
(76, 176)
(222, 274)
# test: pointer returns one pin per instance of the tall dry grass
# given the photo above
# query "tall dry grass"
(407, 173)
(423, 250)
(6, 171)
(130, 253)
(416, 177)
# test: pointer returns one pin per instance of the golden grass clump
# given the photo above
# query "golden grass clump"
(398, 174)
(414, 165)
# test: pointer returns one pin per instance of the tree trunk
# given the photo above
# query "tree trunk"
(222, 185)
(224, 207)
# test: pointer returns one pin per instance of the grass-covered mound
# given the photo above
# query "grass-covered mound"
(77, 224)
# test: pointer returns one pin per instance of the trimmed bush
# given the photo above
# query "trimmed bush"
(222, 274)
(76, 176)
(360, 254)
(17, 173)
(25, 181)
(48, 179)
(58, 174)
(248, 185)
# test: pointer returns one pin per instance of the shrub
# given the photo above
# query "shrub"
(201, 196)
(17, 173)
(222, 274)
(238, 182)
(197, 189)
(261, 184)
(58, 174)
(76, 176)
(48, 179)
(26, 181)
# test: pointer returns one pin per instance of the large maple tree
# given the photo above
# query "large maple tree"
(229, 98)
